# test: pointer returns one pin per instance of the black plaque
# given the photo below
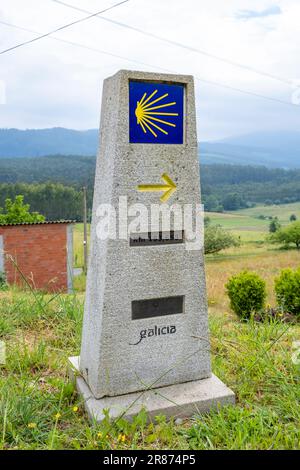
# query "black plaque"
(157, 307)
(158, 238)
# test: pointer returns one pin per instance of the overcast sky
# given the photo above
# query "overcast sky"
(49, 83)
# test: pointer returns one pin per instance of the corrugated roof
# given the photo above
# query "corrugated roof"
(45, 222)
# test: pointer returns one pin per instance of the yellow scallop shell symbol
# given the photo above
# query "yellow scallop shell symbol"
(146, 114)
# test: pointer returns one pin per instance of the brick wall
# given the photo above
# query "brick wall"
(40, 252)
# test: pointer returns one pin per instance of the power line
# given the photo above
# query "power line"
(179, 44)
(92, 15)
(128, 59)
(83, 46)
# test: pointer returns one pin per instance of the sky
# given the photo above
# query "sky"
(49, 83)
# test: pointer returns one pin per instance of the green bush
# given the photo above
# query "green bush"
(3, 284)
(287, 288)
(247, 293)
(287, 235)
(217, 239)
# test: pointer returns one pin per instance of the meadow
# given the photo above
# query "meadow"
(40, 409)
(248, 224)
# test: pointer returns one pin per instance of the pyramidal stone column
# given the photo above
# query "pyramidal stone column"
(145, 340)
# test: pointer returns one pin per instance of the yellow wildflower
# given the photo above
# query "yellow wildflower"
(75, 409)
(121, 437)
(31, 425)
(99, 435)
(57, 416)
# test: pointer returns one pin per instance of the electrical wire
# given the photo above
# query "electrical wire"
(62, 28)
(179, 44)
(145, 64)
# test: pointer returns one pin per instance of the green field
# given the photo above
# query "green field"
(283, 211)
(246, 223)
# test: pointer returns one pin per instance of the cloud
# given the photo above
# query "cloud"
(251, 14)
(49, 83)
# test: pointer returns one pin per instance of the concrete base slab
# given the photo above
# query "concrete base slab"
(178, 401)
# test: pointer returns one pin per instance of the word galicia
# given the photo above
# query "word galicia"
(156, 331)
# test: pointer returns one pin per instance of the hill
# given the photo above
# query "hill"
(39, 142)
(279, 149)
(274, 150)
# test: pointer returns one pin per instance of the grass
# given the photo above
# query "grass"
(283, 211)
(40, 409)
(246, 223)
(78, 244)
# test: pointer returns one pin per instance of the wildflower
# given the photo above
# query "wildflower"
(121, 437)
(99, 435)
(57, 416)
(75, 409)
(31, 425)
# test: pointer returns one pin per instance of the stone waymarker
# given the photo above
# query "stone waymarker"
(145, 335)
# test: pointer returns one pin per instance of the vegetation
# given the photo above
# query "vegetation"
(287, 288)
(54, 200)
(274, 225)
(233, 187)
(40, 409)
(288, 235)
(217, 239)
(18, 212)
(65, 169)
(247, 293)
(3, 284)
(224, 187)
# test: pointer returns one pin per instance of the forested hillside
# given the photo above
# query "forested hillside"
(55, 201)
(231, 187)
(52, 185)
(67, 169)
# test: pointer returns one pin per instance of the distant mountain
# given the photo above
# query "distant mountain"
(40, 142)
(271, 149)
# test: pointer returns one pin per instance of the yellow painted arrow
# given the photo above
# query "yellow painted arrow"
(169, 188)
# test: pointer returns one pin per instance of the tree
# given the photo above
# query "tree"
(233, 201)
(274, 225)
(288, 235)
(17, 212)
(217, 239)
(206, 221)
(212, 204)
(54, 200)
(293, 218)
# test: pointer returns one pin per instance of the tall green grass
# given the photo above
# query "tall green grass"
(40, 409)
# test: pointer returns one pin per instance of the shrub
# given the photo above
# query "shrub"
(3, 284)
(274, 225)
(217, 239)
(287, 235)
(247, 293)
(18, 212)
(287, 288)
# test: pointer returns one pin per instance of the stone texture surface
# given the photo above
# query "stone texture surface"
(178, 401)
(119, 274)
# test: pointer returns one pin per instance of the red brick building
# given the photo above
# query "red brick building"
(40, 252)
